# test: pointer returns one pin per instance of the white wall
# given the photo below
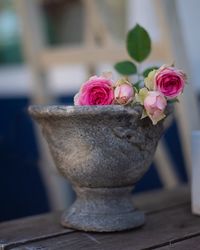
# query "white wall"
(189, 14)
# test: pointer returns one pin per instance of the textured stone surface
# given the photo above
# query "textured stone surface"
(103, 151)
(103, 210)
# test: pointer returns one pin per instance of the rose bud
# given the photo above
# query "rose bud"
(155, 104)
(149, 80)
(124, 92)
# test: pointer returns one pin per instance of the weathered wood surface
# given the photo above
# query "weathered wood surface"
(162, 228)
(168, 211)
(14, 233)
(187, 244)
(157, 200)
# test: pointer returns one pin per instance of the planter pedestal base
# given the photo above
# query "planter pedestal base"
(103, 210)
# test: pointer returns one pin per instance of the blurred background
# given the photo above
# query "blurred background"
(48, 48)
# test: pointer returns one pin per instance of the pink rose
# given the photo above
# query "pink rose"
(170, 81)
(155, 104)
(96, 91)
(124, 93)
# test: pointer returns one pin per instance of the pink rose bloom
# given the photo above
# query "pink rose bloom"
(96, 91)
(170, 81)
(124, 93)
(155, 104)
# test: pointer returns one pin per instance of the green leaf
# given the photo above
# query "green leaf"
(126, 68)
(147, 71)
(138, 43)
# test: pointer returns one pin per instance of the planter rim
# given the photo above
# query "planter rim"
(42, 111)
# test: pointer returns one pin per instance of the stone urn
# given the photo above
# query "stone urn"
(103, 151)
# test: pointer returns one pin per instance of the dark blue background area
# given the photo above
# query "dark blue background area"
(22, 191)
(172, 140)
(151, 179)
(21, 188)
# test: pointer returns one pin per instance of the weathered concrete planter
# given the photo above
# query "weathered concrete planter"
(103, 151)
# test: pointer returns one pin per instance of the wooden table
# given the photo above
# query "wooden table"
(169, 225)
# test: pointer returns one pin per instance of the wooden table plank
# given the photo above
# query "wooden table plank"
(158, 200)
(14, 233)
(161, 228)
(187, 244)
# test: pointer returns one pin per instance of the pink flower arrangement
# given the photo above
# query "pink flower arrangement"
(153, 90)
(160, 87)
(103, 91)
